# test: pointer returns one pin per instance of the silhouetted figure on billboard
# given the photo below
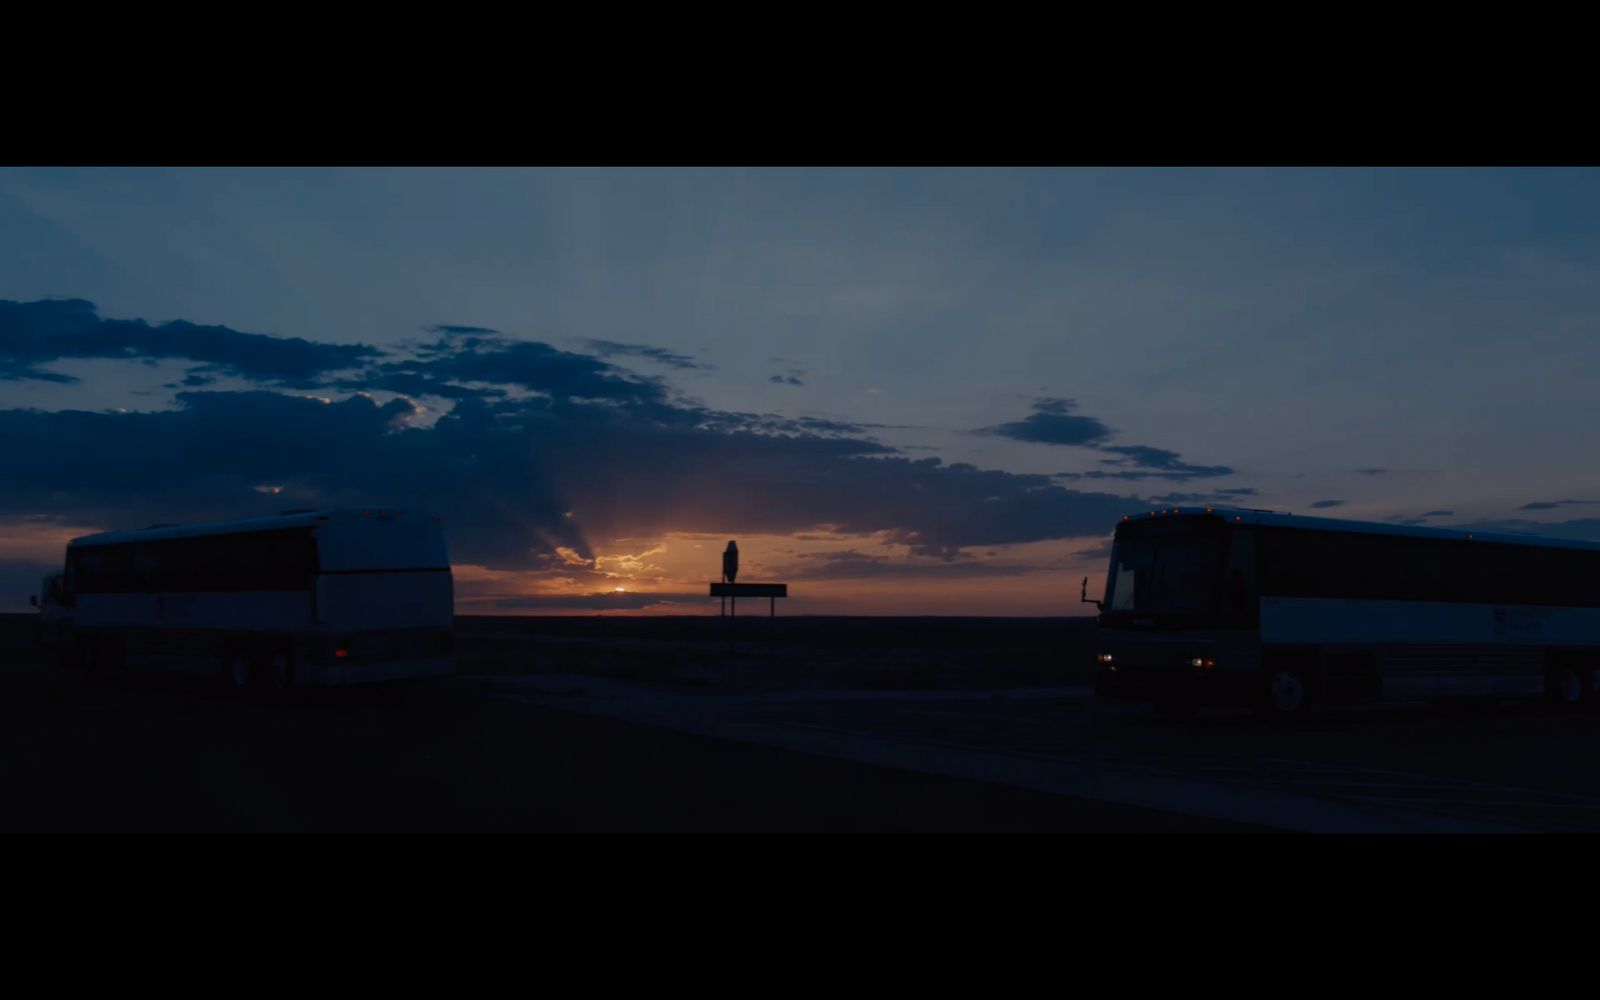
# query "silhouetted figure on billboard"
(730, 562)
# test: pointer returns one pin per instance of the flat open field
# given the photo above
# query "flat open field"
(786, 724)
(761, 653)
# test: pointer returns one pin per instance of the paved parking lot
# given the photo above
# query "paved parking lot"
(1486, 767)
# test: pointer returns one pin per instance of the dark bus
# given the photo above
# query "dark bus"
(1216, 607)
(303, 599)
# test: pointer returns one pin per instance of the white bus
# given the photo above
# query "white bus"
(1217, 607)
(307, 598)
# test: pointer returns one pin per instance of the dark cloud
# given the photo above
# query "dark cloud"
(34, 333)
(193, 379)
(506, 474)
(441, 328)
(14, 370)
(1144, 457)
(1128, 475)
(1053, 422)
(1553, 504)
(585, 449)
(1101, 551)
(524, 364)
(818, 425)
(608, 348)
(791, 374)
(846, 555)
(852, 565)
(1373, 472)
(1325, 504)
(410, 383)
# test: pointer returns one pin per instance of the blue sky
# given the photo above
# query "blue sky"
(1085, 340)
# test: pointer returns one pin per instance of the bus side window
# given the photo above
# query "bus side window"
(1239, 588)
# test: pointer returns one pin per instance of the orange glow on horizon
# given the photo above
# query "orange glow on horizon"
(828, 573)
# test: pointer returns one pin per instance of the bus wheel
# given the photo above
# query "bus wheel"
(1286, 696)
(280, 672)
(1564, 686)
(101, 657)
(239, 672)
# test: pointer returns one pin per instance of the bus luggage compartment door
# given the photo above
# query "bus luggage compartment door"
(1351, 675)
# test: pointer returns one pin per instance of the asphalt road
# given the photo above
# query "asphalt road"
(1478, 768)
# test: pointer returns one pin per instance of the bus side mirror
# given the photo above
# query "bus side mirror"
(1083, 595)
(33, 600)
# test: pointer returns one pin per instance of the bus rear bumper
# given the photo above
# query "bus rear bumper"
(337, 675)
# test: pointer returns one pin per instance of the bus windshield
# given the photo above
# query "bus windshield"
(1167, 573)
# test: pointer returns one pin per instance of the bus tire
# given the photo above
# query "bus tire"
(1287, 696)
(280, 671)
(1565, 686)
(101, 657)
(240, 670)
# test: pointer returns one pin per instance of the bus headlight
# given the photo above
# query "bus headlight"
(1103, 657)
(1202, 664)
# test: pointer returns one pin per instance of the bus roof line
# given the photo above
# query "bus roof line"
(310, 517)
(1248, 515)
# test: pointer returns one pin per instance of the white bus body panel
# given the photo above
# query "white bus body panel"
(1295, 620)
(1433, 649)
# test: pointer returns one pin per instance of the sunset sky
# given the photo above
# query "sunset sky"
(918, 391)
